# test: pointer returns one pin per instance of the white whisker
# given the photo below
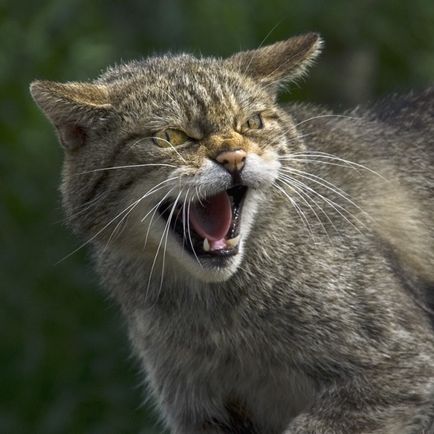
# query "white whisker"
(330, 202)
(189, 232)
(132, 205)
(318, 154)
(128, 166)
(327, 116)
(299, 192)
(169, 220)
(173, 147)
(296, 207)
(326, 184)
(154, 210)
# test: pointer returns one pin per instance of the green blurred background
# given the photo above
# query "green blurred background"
(64, 359)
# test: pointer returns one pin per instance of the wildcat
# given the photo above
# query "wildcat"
(274, 263)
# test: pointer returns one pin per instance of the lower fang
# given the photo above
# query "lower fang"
(233, 242)
(206, 246)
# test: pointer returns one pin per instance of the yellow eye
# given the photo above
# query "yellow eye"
(253, 123)
(170, 137)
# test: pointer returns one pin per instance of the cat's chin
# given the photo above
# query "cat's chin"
(213, 269)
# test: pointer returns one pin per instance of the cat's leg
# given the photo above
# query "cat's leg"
(225, 420)
(190, 409)
(199, 412)
(356, 409)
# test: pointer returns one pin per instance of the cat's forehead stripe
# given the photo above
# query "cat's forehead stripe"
(195, 95)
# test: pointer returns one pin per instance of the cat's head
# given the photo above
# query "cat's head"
(170, 158)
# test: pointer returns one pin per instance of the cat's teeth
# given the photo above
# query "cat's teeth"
(206, 246)
(233, 242)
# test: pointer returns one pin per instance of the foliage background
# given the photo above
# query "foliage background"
(64, 363)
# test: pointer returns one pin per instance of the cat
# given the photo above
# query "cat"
(273, 263)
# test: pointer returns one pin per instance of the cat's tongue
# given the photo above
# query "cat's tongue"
(211, 218)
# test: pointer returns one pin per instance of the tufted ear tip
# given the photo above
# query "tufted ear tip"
(279, 62)
(39, 90)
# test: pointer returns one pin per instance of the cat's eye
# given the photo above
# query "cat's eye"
(170, 137)
(255, 122)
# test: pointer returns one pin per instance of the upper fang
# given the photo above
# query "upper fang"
(206, 246)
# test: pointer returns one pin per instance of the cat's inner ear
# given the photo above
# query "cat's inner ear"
(278, 63)
(75, 109)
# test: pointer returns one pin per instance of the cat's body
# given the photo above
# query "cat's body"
(318, 320)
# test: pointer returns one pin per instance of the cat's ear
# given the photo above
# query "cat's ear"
(280, 62)
(75, 109)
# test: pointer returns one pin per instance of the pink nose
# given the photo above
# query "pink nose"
(232, 161)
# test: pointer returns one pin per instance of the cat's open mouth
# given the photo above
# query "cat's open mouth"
(212, 227)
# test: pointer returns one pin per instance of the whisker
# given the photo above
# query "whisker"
(303, 196)
(184, 213)
(313, 161)
(173, 147)
(198, 195)
(129, 212)
(158, 250)
(297, 209)
(133, 204)
(327, 116)
(82, 208)
(326, 184)
(128, 166)
(318, 154)
(246, 69)
(169, 220)
(101, 230)
(189, 232)
(154, 210)
(330, 202)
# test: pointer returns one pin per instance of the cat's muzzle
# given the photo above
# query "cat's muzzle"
(209, 227)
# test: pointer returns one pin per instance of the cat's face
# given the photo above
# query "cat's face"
(170, 159)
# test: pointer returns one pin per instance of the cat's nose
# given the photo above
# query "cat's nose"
(233, 161)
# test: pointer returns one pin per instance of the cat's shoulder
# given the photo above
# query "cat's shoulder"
(411, 109)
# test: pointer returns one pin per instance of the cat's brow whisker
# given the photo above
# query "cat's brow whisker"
(173, 147)
(169, 220)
